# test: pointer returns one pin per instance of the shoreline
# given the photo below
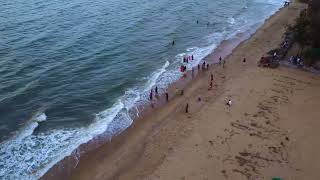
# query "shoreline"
(118, 141)
(224, 49)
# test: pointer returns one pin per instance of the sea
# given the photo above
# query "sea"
(72, 70)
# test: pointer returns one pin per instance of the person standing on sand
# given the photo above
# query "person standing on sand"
(198, 67)
(187, 108)
(182, 92)
(220, 60)
(192, 72)
(167, 96)
(229, 103)
(203, 65)
(207, 65)
(244, 60)
(211, 77)
(211, 85)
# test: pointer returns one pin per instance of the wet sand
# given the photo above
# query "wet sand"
(270, 130)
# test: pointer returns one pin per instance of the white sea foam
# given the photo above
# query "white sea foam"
(154, 77)
(29, 127)
(231, 20)
(41, 117)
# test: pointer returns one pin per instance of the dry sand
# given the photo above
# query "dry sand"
(270, 130)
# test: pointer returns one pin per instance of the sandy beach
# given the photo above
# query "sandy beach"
(269, 131)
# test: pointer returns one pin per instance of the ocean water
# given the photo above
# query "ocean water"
(71, 70)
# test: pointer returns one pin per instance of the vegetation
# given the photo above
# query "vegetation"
(306, 32)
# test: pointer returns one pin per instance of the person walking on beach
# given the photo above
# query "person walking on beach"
(156, 90)
(198, 67)
(182, 92)
(211, 85)
(211, 77)
(191, 57)
(203, 65)
(244, 60)
(187, 108)
(151, 94)
(207, 65)
(192, 72)
(229, 103)
(167, 96)
(220, 60)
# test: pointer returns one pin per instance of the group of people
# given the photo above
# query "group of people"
(286, 3)
(151, 93)
(296, 60)
(201, 66)
(156, 94)
(186, 59)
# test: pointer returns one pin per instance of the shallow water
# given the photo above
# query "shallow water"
(67, 69)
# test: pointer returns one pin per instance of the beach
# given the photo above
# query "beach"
(268, 131)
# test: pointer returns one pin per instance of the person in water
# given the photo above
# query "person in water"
(172, 42)
(156, 90)
(183, 68)
(151, 94)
